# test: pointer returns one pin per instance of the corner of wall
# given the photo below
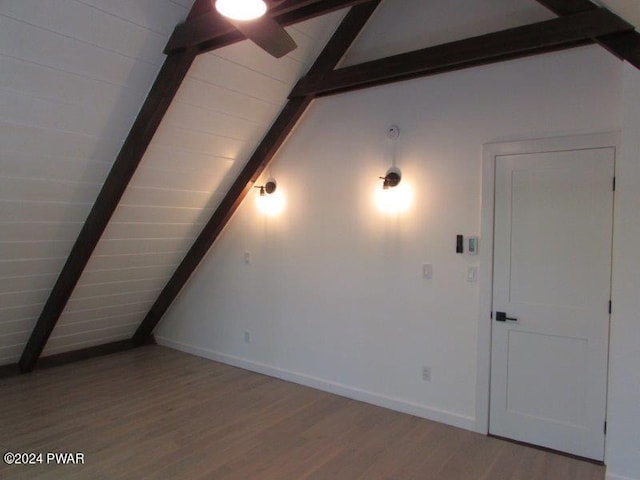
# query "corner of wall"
(623, 441)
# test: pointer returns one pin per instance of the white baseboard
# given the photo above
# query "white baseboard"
(612, 476)
(391, 403)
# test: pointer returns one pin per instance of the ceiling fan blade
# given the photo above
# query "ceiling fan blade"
(267, 34)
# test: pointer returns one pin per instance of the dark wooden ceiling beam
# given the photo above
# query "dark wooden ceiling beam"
(164, 89)
(210, 31)
(559, 33)
(169, 79)
(625, 46)
(273, 140)
(568, 7)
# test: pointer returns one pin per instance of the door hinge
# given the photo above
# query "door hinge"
(614, 184)
(610, 307)
(605, 428)
(491, 315)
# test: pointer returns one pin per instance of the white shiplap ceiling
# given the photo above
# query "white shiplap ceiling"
(73, 75)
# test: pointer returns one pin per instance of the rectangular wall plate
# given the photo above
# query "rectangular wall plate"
(472, 274)
(427, 271)
(472, 245)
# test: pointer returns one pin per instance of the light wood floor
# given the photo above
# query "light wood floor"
(160, 414)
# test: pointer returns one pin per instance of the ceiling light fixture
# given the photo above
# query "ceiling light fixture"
(241, 9)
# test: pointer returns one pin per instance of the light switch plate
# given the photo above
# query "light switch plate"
(472, 274)
(472, 245)
(427, 271)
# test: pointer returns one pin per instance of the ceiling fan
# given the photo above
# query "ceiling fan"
(251, 18)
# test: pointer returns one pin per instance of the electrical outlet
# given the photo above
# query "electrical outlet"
(247, 337)
(426, 374)
(247, 258)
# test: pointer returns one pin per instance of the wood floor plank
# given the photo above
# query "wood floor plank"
(354, 457)
(474, 461)
(444, 442)
(154, 413)
(405, 450)
(514, 463)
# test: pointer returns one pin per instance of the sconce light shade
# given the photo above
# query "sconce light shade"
(241, 9)
(391, 179)
(268, 188)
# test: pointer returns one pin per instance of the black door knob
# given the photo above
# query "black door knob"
(502, 317)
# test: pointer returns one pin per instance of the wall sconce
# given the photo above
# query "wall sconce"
(393, 197)
(270, 202)
(391, 179)
(268, 188)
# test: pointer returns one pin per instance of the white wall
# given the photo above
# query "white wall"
(623, 440)
(334, 296)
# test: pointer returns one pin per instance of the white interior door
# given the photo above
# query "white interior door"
(552, 280)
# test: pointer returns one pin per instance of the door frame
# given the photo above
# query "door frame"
(486, 245)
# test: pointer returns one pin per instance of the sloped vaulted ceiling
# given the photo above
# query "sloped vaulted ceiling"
(223, 109)
(73, 75)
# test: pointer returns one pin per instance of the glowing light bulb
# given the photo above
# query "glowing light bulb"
(394, 200)
(241, 9)
(272, 204)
